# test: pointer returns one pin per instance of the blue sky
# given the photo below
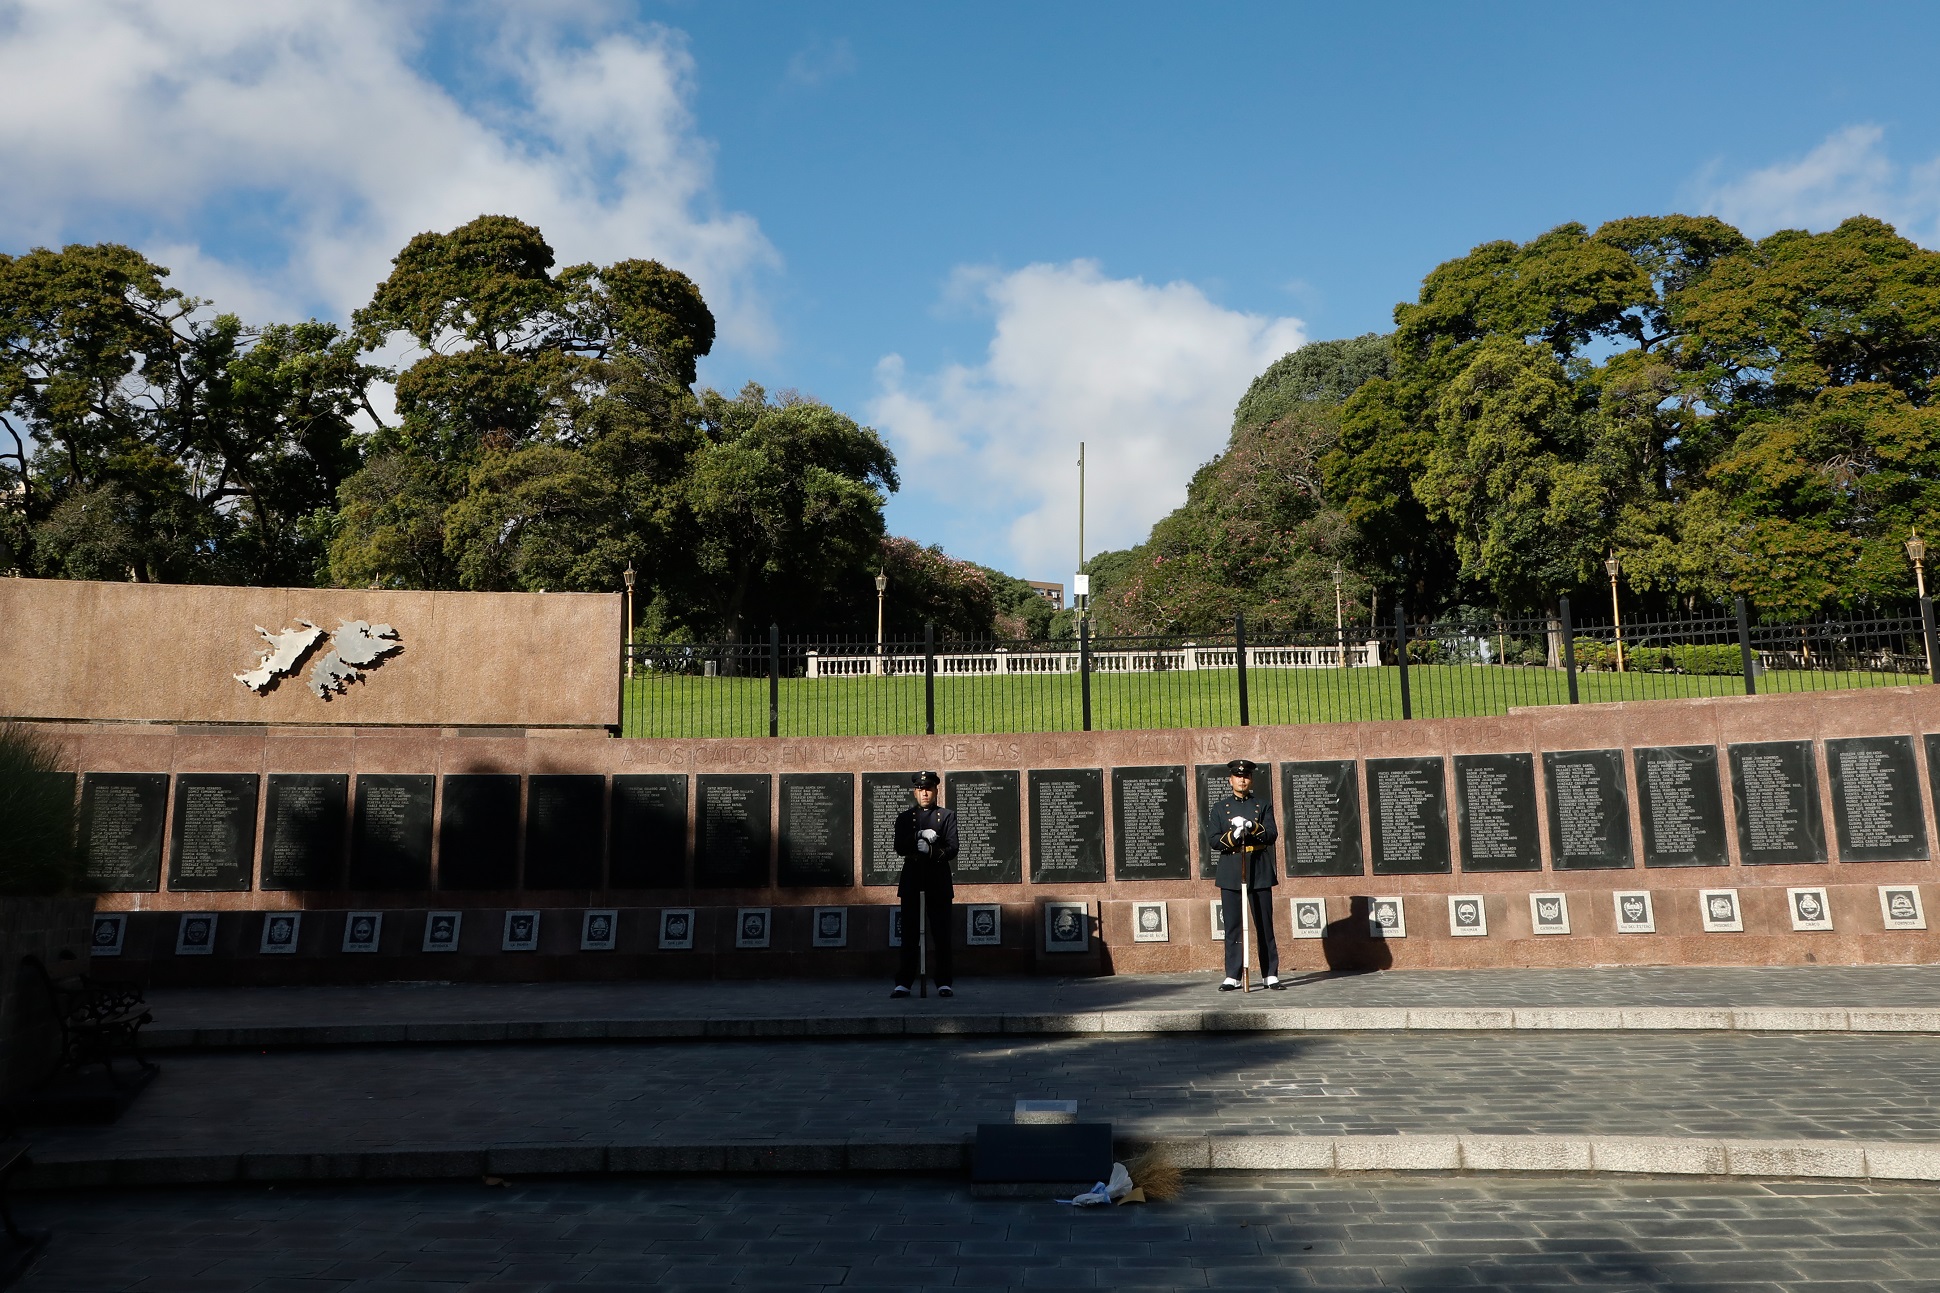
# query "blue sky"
(989, 231)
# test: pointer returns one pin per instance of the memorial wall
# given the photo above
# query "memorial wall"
(1755, 830)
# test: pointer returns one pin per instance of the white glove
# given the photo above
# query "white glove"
(922, 846)
(1241, 826)
(928, 834)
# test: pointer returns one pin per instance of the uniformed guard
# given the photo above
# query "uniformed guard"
(1243, 825)
(926, 837)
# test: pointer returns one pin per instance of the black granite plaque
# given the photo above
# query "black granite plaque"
(1214, 785)
(1775, 795)
(1495, 812)
(1067, 825)
(1407, 806)
(884, 796)
(390, 839)
(121, 830)
(478, 832)
(1589, 810)
(304, 815)
(731, 832)
(650, 830)
(1681, 805)
(817, 846)
(1320, 817)
(990, 837)
(564, 839)
(1876, 799)
(1150, 836)
(212, 847)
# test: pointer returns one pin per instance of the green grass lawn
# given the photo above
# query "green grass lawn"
(688, 707)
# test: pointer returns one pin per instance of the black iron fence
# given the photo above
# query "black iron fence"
(1396, 669)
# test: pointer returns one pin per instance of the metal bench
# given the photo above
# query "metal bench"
(100, 1020)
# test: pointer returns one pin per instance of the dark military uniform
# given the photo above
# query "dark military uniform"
(926, 874)
(1249, 857)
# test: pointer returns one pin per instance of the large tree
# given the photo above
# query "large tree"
(150, 438)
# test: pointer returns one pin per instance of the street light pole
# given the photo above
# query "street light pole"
(629, 576)
(882, 582)
(1916, 548)
(1075, 595)
(1616, 614)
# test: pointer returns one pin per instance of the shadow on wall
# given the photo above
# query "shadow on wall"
(1347, 945)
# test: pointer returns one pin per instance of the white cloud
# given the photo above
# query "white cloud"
(821, 61)
(1849, 174)
(307, 133)
(1147, 376)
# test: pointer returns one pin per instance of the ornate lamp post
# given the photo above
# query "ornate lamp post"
(1917, 549)
(629, 577)
(1616, 614)
(1340, 621)
(882, 583)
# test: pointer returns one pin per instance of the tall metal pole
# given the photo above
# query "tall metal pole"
(629, 577)
(1616, 615)
(1569, 644)
(1082, 608)
(1340, 620)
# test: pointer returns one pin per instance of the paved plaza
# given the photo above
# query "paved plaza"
(332, 1156)
(1231, 1231)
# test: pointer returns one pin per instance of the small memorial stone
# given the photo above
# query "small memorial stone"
(817, 846)
(895, 926)
(983, 925)
(391, 833)
(1589, 810)
(110, 933)
(1067, 927)
(1810, 909)
(1214, 785)
(304, 819)
(989, 807)
(1067, 825)
(1150, 920)
(564, 842)
(1468, 916)
(1308, 917)
(362, 930)
(884, 796)
(1721, 912)
(1876, 799)
(521, 932)
(650, 830)
(441, 930)
(677, 929)
(1321, 820)
(1900, 907)
(196, 934)
(1549, 913)
(280, 930)
(599, 931)
(121, 829)
(1408, 814)
(1495, 812)
(213, 845)
(831, 927)
(1681, 804)
(732, 838)
(1635, 913)
(751, 928)
(1387, 918)
(1150, 836)
(1775, 794)
(478, 832)
(1218, 917)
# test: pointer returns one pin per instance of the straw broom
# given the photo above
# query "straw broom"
(1158, 1177)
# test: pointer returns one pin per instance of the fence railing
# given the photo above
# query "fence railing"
(1396, 669)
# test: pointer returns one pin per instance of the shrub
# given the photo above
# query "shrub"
(1592, 653)
(37, 845)
(1424, 651)
(1714, 660)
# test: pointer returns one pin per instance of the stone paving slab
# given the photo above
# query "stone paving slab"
(1838, 1105)
(1792, 999)
(1231, 1230)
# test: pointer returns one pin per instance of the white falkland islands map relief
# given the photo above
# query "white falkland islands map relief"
(354, 647)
